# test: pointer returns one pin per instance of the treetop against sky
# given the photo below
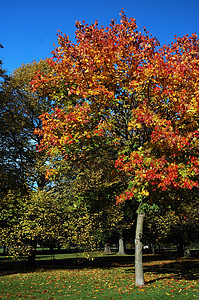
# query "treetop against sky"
(119, 86)
(29, 28)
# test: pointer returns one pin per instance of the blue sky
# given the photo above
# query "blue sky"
(29, 27)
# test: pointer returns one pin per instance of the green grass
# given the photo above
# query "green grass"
(167, 278)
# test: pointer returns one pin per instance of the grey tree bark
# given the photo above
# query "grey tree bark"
(107, 248)
(187, 252)
(139, 274)
(152, 248)
(121, 244)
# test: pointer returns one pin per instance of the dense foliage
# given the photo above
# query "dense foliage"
(117, 88)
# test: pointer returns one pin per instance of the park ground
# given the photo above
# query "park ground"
(71, 276)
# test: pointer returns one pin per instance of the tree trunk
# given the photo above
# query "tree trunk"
(121, 244)
(32, 255)
(5, 252)
(180, 247)
(152, 248)
(187, 252)
(139, 274)
(107, 248)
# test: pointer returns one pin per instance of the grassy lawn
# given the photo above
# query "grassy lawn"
(109, 277)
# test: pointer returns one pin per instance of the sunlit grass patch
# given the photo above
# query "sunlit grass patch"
(95, 283)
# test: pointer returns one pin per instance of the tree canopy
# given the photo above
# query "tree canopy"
(116, 90)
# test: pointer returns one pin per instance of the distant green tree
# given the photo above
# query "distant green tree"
(176, 224)
(28, 220)
(20, 167)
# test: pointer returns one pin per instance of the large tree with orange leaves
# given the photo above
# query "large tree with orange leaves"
(121, 97)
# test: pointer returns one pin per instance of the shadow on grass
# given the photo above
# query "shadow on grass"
(109, 261)
(168, 264)
(182, 269)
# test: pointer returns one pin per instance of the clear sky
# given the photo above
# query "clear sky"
(29, 27)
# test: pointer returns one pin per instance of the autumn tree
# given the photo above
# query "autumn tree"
(120, 96)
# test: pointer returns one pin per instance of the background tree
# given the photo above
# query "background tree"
(3, 77)
(20, 110)
(93, 184)
(179, 226)
(20, 166)
(30, 220)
